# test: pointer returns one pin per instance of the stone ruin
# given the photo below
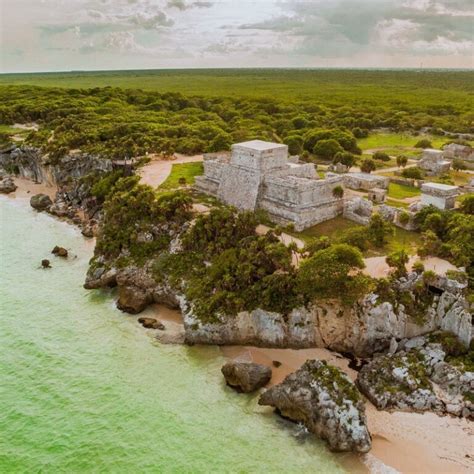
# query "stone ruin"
(260, 175)
(365, 181)
(442, 196)
(358, 210)
(433, 162)
(455, 150)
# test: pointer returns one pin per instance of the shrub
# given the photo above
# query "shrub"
(413, 173)
(467, 205)
(398, 260)
(360, 132)
(404, 218)
(458, 164)
(368, 165)
(338, 192)
(295, 144)
(345, 157)
(423, 143)
(381, 156)
(355, 236)
(418, 267)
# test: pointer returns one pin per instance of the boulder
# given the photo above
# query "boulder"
(7, 186)
(399, 382)
(151, 323)
(246, 376)
(45, 263)
(60, 252)
(40, 202)
(326, 401)
(132, 299)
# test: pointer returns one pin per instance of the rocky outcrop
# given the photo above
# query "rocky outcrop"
(325, 400)
(418, 379)
(246, 377)
(7, 185)
(368, 327)
(59, 251)
(45, 263)
(151, 323)
(40, 202)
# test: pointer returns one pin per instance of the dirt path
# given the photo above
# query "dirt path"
(157, 170)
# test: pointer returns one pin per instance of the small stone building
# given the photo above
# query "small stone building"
(260, 175)
(442, 196)
(455, 150)
(365, 181)
(377, 195)
(433, 162)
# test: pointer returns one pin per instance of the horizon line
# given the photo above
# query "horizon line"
(268, 68)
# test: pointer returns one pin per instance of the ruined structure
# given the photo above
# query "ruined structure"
(260, 175)
(442, 196)
(433, 162)
(365, 181)
(455, 150)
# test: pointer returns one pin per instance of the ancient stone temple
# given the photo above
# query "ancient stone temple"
(260, 175)
(442, 196)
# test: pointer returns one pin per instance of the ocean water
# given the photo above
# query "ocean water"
(83, 388)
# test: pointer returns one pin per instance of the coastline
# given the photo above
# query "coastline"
(405, 442)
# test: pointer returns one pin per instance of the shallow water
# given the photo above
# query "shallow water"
(83, 388)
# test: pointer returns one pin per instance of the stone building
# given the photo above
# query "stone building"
(365, 181)
(455, 150)
(433, 162)
(260, 175)
(442, 196)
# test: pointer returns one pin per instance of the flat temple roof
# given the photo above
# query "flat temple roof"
(259, 145)
(440, 186)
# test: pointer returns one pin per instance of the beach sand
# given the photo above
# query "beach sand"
(401, 442)
(28, 188)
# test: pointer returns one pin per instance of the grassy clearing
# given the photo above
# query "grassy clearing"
(401, 239)
(396, 142)
(188, 171)
(393, 203)
(401, 191)
(458, 178)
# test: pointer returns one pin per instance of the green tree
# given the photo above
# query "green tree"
(327, 149)
(423, 143)
(379, 230)
(295, 144)
(398, 260)
(467, 205)
(368, 165)
(333, 273)
(381, 156)
(402, 161)
(345, 157)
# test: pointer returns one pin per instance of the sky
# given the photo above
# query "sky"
(62, 35)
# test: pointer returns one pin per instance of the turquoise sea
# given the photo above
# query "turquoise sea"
(83, 388)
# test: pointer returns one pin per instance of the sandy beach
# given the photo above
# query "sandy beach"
(27, 189)
(402, 442)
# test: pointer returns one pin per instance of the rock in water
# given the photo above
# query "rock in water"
(60, 252)
(151, 323)
(7, 186)
(246, 376)
(45, 263)
(40, 202)
(327, 402)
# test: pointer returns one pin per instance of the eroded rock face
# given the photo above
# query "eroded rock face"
(59, 251)
(132, 299)
(40, 202)
(246, 376)
(418, 379)
(7, 185)
(325, 400)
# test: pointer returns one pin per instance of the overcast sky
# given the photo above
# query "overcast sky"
(58, 35)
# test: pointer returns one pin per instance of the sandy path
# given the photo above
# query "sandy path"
(157, 170)
(377, 267)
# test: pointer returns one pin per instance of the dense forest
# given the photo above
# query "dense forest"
(300, 108)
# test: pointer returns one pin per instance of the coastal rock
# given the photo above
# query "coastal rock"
(420, 379)
(325, 400)
(7, 186)
(151, 323)
(132, 299)
(399, 382)
(245, 376)
(45, 263)
(60, 251)
(40, 202)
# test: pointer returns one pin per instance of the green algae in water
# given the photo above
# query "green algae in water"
(84, 389)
